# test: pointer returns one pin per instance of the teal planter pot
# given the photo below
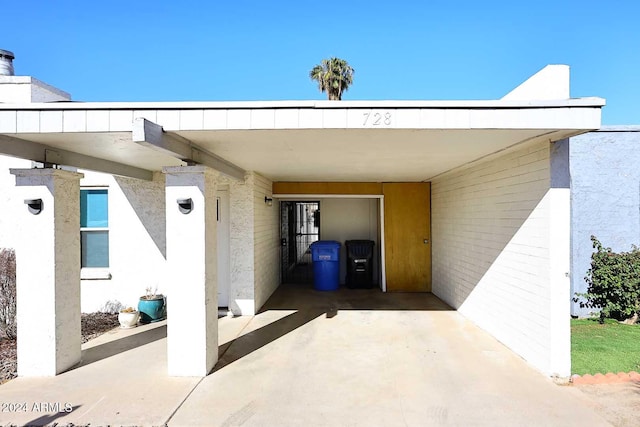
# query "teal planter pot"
(152, 310)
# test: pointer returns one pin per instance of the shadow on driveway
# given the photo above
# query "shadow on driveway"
(111, 348)
(311, 304)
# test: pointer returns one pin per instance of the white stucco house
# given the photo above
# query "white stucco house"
(468, 200)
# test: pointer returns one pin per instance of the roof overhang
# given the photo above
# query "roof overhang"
(290, 140)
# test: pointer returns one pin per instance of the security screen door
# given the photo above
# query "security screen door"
(299, 228)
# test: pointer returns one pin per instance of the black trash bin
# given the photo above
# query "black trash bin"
(359, 263)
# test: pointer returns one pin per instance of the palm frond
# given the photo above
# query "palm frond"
(334, 76)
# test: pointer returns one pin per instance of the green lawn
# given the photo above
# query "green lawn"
(612, 347)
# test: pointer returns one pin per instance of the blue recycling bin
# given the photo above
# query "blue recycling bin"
(325, 255)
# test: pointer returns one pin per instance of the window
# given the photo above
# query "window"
(94, 228)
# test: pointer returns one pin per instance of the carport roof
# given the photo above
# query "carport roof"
(301, 141)
(364, 141)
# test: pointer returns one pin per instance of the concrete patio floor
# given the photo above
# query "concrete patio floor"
(346, 358)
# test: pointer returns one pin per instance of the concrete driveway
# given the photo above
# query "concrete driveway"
(347, 358)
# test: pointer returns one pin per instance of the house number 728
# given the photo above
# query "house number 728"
(377, 118)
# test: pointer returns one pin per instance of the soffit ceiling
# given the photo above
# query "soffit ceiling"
(316, 154)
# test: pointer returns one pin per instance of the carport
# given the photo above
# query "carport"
(494, 172)
(358, 358)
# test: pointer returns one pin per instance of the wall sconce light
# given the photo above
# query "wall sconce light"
(185, 206)
(268, 201)
(34, 205)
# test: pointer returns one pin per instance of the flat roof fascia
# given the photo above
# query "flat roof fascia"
(619, 128)
(63, 120)
(253, 105)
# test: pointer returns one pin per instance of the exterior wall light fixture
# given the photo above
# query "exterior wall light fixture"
(185, 206)
(268, 201)
(34, 205)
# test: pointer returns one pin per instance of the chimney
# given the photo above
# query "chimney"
(6, 63)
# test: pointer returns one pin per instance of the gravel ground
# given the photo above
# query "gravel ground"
(7, 360)
(96, 324)
(93, 325)
(618, 403)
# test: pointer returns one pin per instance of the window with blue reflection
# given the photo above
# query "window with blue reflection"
(94, 208)
(94, 221)
(95, 248)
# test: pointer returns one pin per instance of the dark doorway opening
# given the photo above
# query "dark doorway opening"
(299, 228)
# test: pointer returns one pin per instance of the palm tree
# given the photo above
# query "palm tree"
(334, 76)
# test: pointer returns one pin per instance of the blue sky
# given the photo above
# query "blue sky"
(263, 50)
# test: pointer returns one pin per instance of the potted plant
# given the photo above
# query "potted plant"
(152, 306)
(128, 318)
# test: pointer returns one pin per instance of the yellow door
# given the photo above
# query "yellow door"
(407, 234)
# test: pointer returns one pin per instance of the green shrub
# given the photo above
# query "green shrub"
(614, 282)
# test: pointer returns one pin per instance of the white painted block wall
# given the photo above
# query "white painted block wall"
(241, 226)
(491, 229)
(267, 241)
(254, 244)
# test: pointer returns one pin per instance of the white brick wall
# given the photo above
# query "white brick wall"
(241, 206)
(267, 242)
(491, 250)
(254, 242)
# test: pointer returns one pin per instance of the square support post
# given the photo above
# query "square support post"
(192, 322)
(560, 260)
(48, 272)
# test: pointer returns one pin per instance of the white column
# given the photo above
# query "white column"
(560, 285)
(48, 272)
(560, 260)
(192, 302)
